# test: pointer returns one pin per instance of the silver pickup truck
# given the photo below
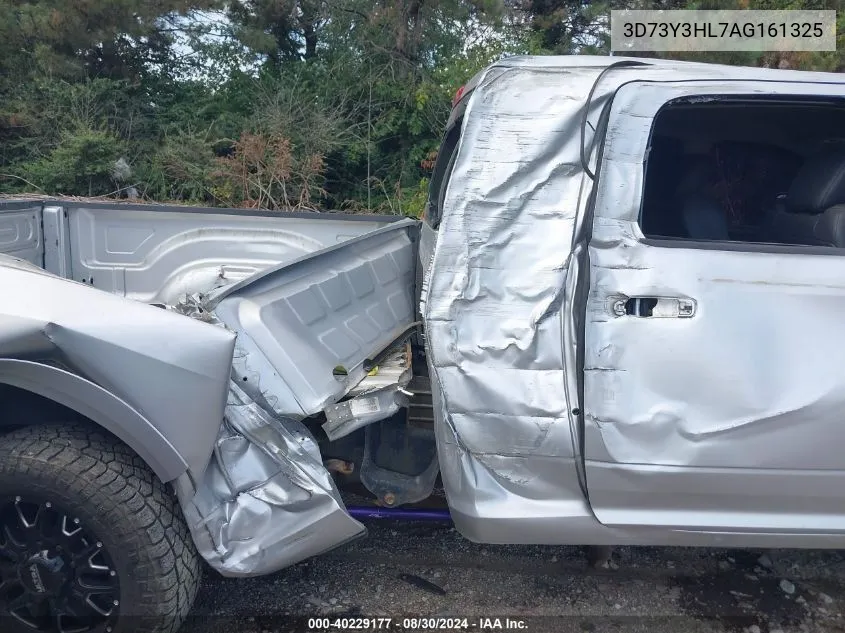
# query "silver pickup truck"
(616, 324)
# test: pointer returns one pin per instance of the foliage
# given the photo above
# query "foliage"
(180, 168)
(83, 161)
(277, 103)
(265, 170)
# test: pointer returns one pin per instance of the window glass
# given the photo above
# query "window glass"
(746, 171)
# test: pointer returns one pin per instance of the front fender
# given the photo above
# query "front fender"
(101, 407)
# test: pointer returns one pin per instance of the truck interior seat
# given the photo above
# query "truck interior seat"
(813, 212)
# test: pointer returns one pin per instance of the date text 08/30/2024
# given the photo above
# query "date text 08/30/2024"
(326, 625)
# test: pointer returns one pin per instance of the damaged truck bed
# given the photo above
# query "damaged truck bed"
(263, 350)
(309, 331)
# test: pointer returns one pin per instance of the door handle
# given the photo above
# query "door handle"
(655, 307)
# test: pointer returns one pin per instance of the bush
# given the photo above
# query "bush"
(266, 171)
(82, 164)
(180, 169)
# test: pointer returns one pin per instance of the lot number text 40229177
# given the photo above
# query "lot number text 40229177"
(328, 624)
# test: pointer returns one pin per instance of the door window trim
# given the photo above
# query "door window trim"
(742, 247)
(712, 89)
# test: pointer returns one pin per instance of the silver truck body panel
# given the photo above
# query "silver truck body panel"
(503, 304)
(252, 487)
(492, 308)
(20, 231)
(165, 370)
(300, 321)
(266, 501)
(100, 406)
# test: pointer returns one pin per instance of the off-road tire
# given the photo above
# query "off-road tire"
(119, 499)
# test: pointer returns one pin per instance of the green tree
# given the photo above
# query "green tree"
(318, 103)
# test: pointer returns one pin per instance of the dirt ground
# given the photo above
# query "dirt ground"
(429, 570)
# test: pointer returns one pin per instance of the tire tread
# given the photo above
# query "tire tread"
(148, 522)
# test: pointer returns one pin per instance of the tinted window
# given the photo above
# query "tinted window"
(724, 170)
(442, 170)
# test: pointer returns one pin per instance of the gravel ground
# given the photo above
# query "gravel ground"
(430, 570)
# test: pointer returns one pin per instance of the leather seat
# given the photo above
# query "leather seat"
(813, 212)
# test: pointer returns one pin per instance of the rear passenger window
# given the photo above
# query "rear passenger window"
(741, 170)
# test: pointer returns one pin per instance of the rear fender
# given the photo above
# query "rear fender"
(101, 407)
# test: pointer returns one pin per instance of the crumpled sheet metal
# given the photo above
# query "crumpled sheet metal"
(763, 400)
(266, 501)
(492, 304)
(171, 370)
(299, 321)
(502, 290)
(350, 415)
(379, 396)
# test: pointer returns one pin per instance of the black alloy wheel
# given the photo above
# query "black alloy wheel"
(55, 576)
(91, 541)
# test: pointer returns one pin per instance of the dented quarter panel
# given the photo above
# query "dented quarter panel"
(731, 418)
(258, 497)
(170, 371)
(266, 501)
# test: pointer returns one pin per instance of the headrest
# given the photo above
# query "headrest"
(820, 183)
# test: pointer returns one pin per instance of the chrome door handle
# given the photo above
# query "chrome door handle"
(655, 307)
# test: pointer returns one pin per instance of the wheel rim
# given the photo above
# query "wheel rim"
(55, 575)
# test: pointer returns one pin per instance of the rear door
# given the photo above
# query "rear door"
(714, 388)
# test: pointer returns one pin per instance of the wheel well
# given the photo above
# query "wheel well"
(89, 401)
(24, 408)
(20, 408)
